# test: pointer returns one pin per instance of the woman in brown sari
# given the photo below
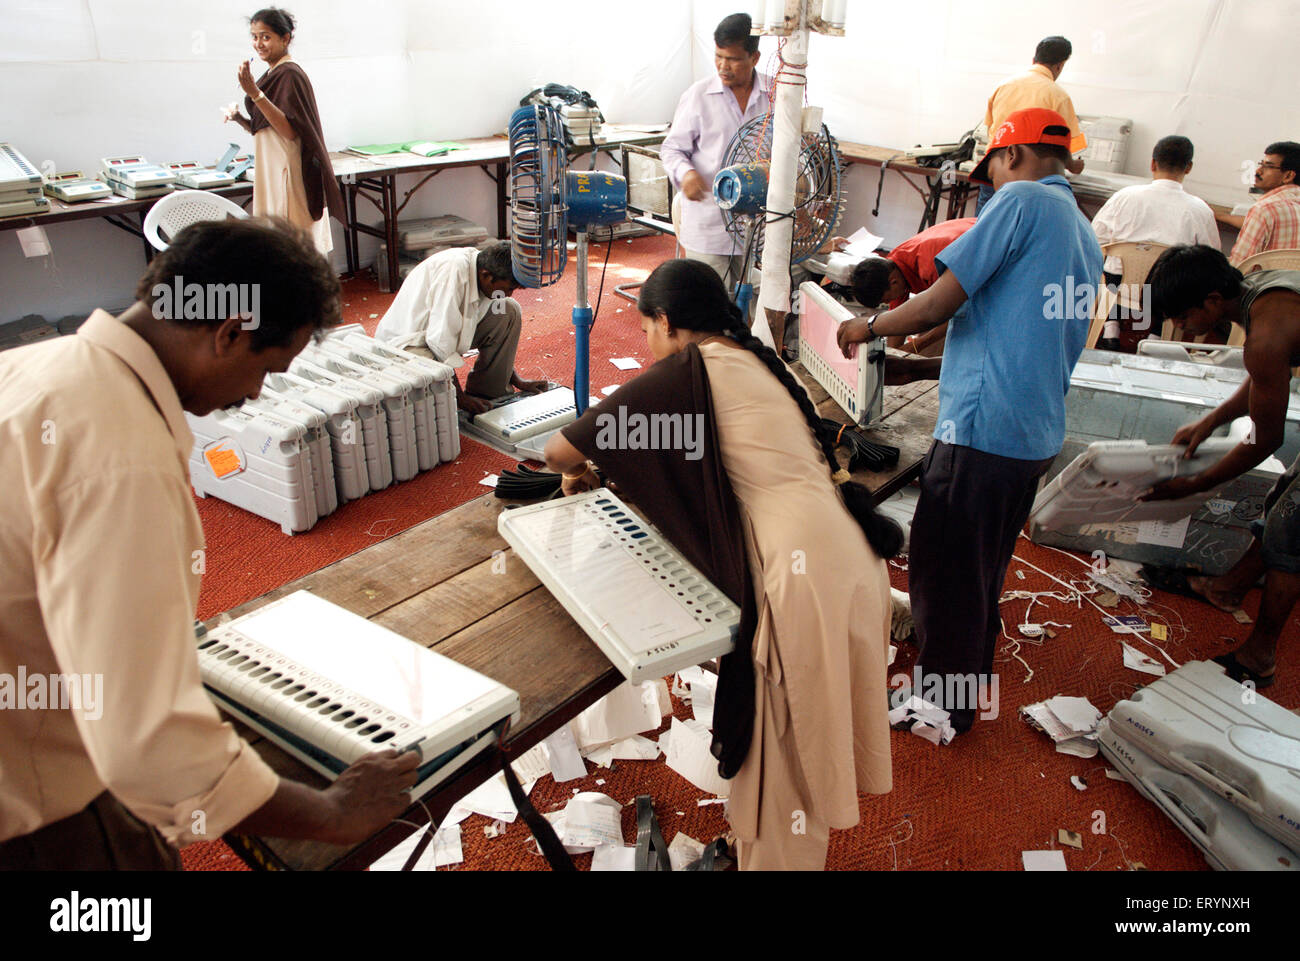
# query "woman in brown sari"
(292, 174)
(759, 503)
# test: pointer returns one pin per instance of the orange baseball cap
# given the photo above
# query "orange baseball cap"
(1031, 125)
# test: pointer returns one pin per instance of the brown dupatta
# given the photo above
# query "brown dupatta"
(692, 503)
(289, 89)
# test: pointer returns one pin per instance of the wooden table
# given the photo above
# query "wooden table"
(955, 184)
(436, 585)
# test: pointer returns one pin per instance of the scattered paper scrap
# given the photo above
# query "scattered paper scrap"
(628, 709)
(1043, 860)
(1115, 775)
(566, 763)
(396, 859)
(1108, 599)
(1071, 723)
(531, 765)
(1137, 661)
(923, 719)
(683, 850)
(613, 857)
(1159, 633)
(1241, 617)
(609, 390)
(1079, 783)
(489, 480)
(1070, 839)
(592, 819)
(687, 753)
(446, 846)
(490, 799)
(625, 363)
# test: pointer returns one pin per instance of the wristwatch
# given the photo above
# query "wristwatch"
(871, 325)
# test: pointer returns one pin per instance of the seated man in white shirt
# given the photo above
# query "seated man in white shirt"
(1159, 212)
(458, 300)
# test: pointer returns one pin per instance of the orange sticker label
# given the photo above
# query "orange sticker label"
(1159, 632)
(223, 461)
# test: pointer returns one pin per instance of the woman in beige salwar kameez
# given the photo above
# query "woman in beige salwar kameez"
(292, 174)
(820, 732)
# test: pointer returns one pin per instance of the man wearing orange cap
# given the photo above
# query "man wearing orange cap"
(1007, 363)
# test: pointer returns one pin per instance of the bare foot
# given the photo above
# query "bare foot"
(1223, 600)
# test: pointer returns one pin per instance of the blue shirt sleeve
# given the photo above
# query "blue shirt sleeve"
(978, 254)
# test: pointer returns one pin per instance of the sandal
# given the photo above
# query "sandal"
(1238, 672)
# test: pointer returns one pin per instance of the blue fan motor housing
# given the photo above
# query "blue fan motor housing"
(742, 188)
(596, 198)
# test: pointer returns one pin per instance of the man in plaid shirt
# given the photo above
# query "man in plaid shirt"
(1274, 222)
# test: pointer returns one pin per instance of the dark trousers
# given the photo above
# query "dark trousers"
(971, 509)
(102, 836)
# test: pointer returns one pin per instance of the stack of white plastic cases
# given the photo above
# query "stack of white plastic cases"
(349, 417)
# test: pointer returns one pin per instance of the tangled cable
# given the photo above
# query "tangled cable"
(527, 484)
(863, 454)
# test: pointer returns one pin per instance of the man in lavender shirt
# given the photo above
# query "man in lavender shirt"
(708, 116)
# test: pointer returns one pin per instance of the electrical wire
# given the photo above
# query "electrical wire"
(863, 454)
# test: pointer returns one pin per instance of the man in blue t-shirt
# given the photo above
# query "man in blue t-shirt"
(1027, 273)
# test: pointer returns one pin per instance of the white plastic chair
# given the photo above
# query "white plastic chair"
(178, 210)
(1281, 259)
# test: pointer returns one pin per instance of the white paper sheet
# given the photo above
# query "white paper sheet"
(1076, 713)
(613, 857)
(1043, 860)
(394, 859)
(566, 762)
(628, 709)
(625, 363)
(490, 799)
(591, 820)
(1164, 533)
(1137, 661)
(683, 850)
(446, 846)
(688, 754)
(862, 243)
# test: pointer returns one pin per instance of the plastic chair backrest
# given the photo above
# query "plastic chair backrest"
(1137, 258)
(1286, 259)
(176, 211)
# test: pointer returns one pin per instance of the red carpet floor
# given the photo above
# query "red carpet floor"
(975, 804)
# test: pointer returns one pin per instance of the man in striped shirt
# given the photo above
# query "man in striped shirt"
(1274, 222)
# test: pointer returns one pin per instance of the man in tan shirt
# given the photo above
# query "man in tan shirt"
(111, 754)
(1036, 87)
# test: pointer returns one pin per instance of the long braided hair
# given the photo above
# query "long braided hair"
(691, 295)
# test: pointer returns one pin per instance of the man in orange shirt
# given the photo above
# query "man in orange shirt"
(1037, 87)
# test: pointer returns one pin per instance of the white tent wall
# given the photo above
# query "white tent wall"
(86, 79)
(908, 74)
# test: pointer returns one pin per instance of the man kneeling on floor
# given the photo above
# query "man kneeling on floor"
(458, 300)
(1196, 286)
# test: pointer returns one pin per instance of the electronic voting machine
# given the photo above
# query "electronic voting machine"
(192, 174)
(857, 384)
(20, 185)
(135, 178)
(524, 423)
(330, 687)
(648, 610)
(1224, 765)
(73, 188)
